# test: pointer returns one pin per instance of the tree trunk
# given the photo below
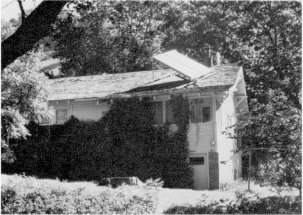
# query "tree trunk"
(35, 27)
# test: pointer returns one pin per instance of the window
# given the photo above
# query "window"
(44, 121)
(196, 161)
(205, 114)
(169, 112)
(163, 112)
(195, 110)
(200, 109)
(61, 116)
(157, 109)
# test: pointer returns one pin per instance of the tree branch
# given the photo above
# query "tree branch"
(36, 26)
(22, 11)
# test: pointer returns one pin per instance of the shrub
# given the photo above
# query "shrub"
(30, 195)
(244, 205)
(124, 143)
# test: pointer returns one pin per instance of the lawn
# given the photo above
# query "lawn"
(126, 199)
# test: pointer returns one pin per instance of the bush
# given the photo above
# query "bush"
(124, 143)
(244, 205)
(30, 195)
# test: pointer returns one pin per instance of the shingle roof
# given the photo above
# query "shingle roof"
(107, 85)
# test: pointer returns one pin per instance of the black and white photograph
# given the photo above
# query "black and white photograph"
(151, 107)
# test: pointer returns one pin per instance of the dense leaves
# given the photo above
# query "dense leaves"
(263, 37)
(109, 36)
(28, 195)
(125, 143)
(244, 205)
(23, 98)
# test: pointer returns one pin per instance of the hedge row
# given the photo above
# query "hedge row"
(30, 195)
(124, 143)
(245, 205)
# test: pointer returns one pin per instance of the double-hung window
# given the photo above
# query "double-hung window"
(200, 109)
(163, 112)
(157, 108)
(169, 115)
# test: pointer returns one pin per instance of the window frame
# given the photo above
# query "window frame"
(162, 115)
(172, 112)
(201, 106)
(164, 99)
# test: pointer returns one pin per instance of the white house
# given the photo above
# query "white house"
(217, 99)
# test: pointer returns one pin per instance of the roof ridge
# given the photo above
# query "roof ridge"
(122, 73)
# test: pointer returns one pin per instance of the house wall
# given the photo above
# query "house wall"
(83, 110)
(225, 145)
(227, 114)
(200, 137)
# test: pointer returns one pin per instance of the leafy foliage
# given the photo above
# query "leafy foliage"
(23, 98)
(109, 36)
(244, 205)
(30, 195)
(122, 144)
(265, 38)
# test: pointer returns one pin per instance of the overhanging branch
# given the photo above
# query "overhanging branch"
(35, 26)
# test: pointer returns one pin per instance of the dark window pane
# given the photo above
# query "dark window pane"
(206, 114)
(169, 112)
(196, 161)
(195, 110)
(158, 112)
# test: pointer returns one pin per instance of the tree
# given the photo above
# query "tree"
(23, 97)
(272, 34)
(109, 37)
(34, 27)
(265, 38)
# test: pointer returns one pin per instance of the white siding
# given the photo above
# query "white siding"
(200, 137)
(82, 110)
(229, 160)
(88, 110)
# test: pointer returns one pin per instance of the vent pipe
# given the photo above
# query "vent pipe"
(208, 60)
(218, 58)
